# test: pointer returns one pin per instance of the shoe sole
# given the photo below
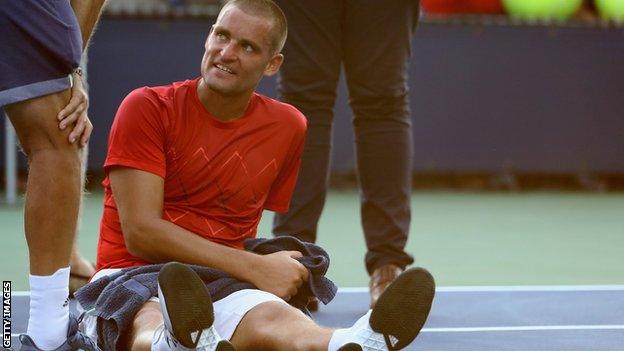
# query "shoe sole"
(186, 303)
(351, 347)
(403, 308)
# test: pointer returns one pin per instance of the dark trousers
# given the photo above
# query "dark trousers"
(372, 40)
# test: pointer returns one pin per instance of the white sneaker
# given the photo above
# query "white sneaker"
(363, 337)
(187, 311)
(398, 316)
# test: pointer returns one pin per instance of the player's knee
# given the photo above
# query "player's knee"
(269, 326)
(50, 153)
(39, 140)
(268, 313)
(269, 318)
(37, 126)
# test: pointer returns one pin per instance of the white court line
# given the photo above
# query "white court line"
(510, 288)
(532, 288)
(522, 328)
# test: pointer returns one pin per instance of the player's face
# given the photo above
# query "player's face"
(238, 53)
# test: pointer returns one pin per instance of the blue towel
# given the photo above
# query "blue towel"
(117, 298)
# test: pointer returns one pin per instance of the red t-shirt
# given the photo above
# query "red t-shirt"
(218, 176)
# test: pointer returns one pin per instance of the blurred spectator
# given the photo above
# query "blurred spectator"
(323, 37)
(587, 11)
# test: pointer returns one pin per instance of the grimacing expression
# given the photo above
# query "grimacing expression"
(238, 53)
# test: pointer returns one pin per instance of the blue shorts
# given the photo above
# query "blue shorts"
(40, 45)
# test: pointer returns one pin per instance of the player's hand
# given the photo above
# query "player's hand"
(74, 115)
(280, 274)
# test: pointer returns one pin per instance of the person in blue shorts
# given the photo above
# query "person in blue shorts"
(41, 42)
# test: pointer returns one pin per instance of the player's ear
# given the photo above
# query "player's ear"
(274, 65)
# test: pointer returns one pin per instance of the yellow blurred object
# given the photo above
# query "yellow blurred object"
(612, 10)
(542, 9)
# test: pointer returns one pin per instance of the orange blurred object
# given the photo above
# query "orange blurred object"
(461, 6)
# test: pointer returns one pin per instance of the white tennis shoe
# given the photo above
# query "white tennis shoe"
(398, 316)
(187, 311)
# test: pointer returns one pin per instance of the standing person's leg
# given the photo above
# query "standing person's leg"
(81, 269)
(41, 45)
(308, 80)
(51, 210)
(53, 187)
(377, 48)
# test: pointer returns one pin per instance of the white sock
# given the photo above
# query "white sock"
(360, 333)
(49, 309)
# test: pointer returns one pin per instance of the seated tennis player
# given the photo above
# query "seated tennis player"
(190, 168)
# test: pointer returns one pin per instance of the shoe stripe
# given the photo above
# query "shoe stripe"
(195, 335)
(393, 340)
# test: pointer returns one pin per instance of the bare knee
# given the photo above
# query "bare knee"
(271, 312)
(261, 321)
(36, 125)
(270, 325)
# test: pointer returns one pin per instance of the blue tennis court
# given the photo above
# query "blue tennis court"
(552, 318)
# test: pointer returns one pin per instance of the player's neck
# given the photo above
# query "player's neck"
(223, 108)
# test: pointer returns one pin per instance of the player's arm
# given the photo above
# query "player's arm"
(139, 197)
(75, 113)
(87, 12)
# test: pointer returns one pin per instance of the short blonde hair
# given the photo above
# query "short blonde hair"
(266, 9)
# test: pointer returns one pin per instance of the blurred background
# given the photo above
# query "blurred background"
(518, 120)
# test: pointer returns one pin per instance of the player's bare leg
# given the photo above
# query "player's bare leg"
(145, 323)
(81, 269)
(277, 326)
(51, 211)
(53, 188)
